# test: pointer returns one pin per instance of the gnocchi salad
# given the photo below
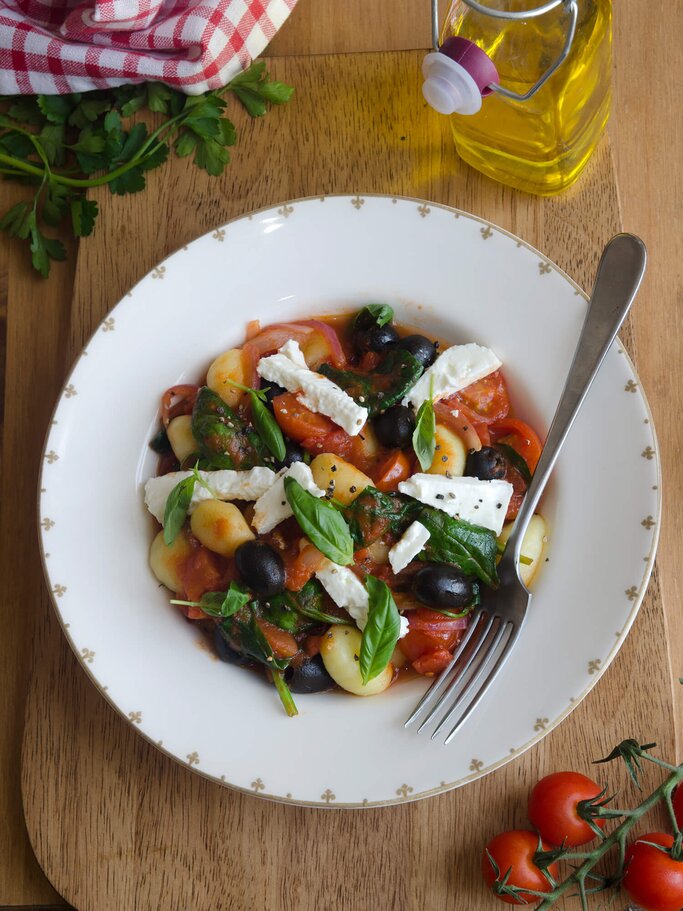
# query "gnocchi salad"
(332, 501)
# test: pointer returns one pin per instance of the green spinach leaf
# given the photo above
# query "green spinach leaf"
(395, 376)
(224, 439)
(177, 505)
(472, 548)
(322, 524)
(381, 631)
(220, 604)
(308, 603)
(373, 513)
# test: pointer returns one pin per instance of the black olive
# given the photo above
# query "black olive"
(488, 464)
(293, 453)
(309, 677)
(420, 347)
(261, 567)
(377, 338)
(442, 586)
(272, 389)
(226, 652)
(394, 427)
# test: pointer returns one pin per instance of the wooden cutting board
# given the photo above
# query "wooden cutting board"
(117, 825)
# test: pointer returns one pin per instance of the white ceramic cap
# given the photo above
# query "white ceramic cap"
(448, 87)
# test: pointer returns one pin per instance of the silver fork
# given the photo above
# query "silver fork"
(498, 621)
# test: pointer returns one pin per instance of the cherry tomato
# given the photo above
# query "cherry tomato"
(204, 571)
(392, 470)
(487, 398)
(300, 566)
(520, 437)
(420, 642)
(553, 808)
(185, 395)
(299, 422)
(432, 663)
(514, 851)
(282, 643)
(653, 879)
(677, 801)
(519, 488)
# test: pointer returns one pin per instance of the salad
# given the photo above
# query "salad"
(333, 498)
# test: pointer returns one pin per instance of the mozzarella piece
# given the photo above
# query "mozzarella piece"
(414, 539)
(347, 591)
(455, 369)
(225, 485)
(288, 368)
(273, 506)
(482, 503)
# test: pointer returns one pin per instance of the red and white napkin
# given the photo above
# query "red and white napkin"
(60, 46)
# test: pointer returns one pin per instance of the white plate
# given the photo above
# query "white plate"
(452, 274)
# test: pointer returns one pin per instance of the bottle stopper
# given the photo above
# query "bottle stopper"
(457, 77)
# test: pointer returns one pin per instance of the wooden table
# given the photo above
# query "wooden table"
(37, 319)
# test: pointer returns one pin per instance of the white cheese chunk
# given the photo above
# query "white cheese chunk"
(288, 368)
(455, 369)
(470, 499)
(347, 591)
(414, 539)
(225, 485)
(273, 507)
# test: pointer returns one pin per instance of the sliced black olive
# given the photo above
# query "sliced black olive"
(376, 338)
(261, 567)
(272, 390)
(488, 464)
(226, 652)
(309, 677)
(420, 347)
(442, 586)
(394, 427)
(293, 453)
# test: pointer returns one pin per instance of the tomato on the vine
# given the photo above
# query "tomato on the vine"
(677, 801)
(654, 879)
(514, 851)
(554, 808)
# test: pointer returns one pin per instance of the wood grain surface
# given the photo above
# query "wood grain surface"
(117, 825)
(35, 329)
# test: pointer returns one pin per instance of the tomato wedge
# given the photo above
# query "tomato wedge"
(299, 569)
(204, 571)
(432, 663)
(299, 422)
(185, 395)
(392, 470)
(282, 643)
(487, 399)
(520, 437)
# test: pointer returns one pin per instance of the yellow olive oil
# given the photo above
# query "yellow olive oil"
(540, 145)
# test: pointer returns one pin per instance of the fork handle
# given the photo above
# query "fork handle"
(619, 275)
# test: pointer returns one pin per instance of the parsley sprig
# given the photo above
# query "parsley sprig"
(63, 145)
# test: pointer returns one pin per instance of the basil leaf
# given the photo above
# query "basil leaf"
(321, 523)
(373, 315)
(267, 427)
(220, 604)
(381, 630)
(224, 439)
(516, 461)
(472, 548)
(424, 435)
(373, 513)
(393, 379)
(176, 509)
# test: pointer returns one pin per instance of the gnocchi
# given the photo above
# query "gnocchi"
(450, 454)
(220, 526)
(166, 560)
(346, 481)
(228, 366)
(533, 546)
(340, 650)
(181, 438)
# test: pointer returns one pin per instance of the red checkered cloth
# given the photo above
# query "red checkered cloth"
(53, 47)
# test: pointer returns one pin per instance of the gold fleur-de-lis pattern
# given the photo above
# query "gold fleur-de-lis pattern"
(59, 590)
(648, 453)
(541, 724)
(631, 386)
(476, 765)
(404, 790)
(70, 391)
(544, 268)
(158, 271)
(285, 211)
(257, 785)
(108, 324)
(193, 758)
(328, 796)
(357, 202)
(51, 457)
(47, 524)
(135, 717)
(87, 655)
(594, 665)
(631, 593)
(219, 235)
(486, 232)
(648, 522)
(424, 210)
